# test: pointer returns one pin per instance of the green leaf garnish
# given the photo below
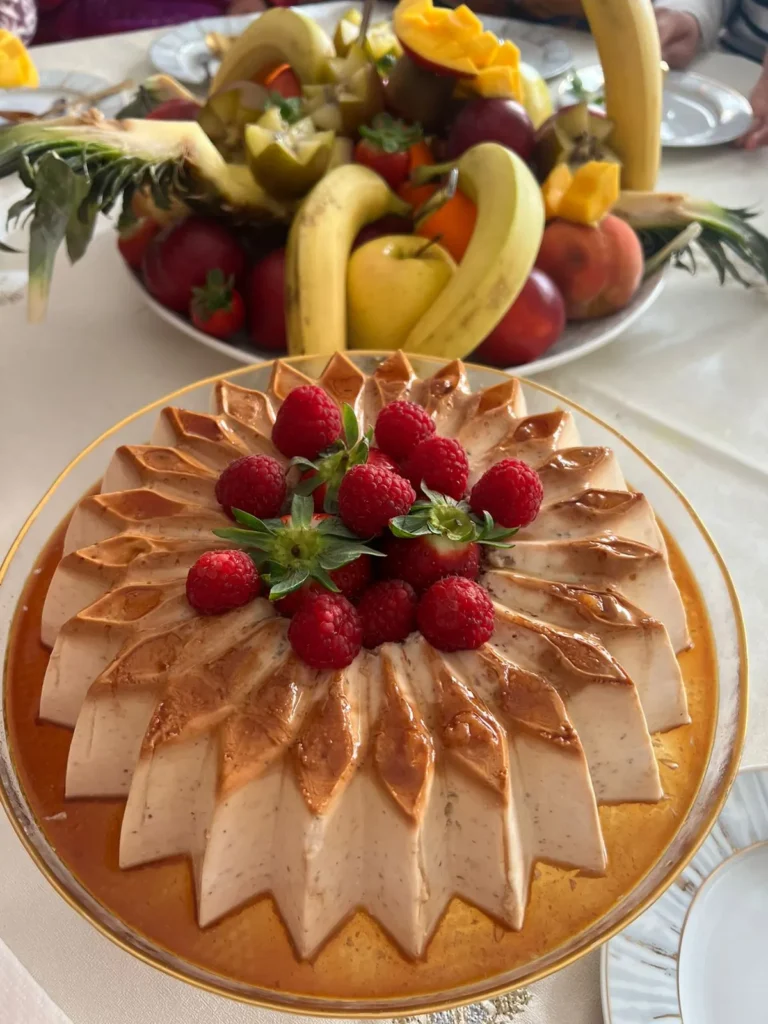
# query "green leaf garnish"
(443, 516)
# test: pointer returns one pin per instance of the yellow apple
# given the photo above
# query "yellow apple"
(391, 282)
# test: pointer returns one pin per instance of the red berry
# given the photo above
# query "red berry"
(307, 422)
(222, 580)
(351, 579)
(422, 561)
(511, 491)
(441, 463)
(388, 612)
(376, 457)
(326, 631)
(400, 426)
(455, 614)
(255, 484)
(370, 496)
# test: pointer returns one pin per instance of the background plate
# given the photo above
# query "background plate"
(182, 52)
(57, 84)
(577, 340)
(697, 111)
(698, 954)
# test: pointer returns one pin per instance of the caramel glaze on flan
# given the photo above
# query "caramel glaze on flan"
(411, 776)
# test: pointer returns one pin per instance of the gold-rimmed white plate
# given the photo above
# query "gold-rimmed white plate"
(697, 956)
(695, 800)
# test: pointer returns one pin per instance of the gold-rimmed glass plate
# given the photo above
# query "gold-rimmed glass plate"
(359, 972)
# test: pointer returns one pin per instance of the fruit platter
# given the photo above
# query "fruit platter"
(396, 180)
(365, 683)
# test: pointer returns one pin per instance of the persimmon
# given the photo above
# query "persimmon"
(417, 195)
(453, 224)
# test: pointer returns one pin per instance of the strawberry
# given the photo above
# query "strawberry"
(217, 308)
(298, 549)
(439, 537)
(133, 239)
(385, 147)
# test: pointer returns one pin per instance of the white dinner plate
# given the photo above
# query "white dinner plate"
(182, 52)
(697, 956)
(577, 339)
(697, 110)
(54, 85)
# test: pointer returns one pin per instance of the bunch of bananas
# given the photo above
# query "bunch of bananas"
(504, 244)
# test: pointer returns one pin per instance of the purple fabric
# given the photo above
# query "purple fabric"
(75, 19)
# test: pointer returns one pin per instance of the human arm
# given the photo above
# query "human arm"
(757, 135)
(687, 27)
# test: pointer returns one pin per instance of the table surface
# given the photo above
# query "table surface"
(687, 384)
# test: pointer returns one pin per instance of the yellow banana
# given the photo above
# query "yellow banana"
(279, 36)
(319, 243)
(628, 43)
(498, 260)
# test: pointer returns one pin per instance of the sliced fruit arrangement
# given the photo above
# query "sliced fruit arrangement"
(403, 184)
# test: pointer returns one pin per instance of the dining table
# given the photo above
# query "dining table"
(688, 383)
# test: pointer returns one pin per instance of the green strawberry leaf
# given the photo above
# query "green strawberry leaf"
(252, 522)
(286, 583)
(335, 528)
(246, 538)
(322, 577)
(351, 426)
(409, 526)
(302, 510)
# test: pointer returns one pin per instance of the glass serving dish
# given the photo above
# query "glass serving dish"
(416, 987)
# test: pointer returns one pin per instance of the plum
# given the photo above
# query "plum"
(492, 120)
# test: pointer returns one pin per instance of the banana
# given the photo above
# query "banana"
(279, 36)
(319, 243)
(498, 260)
(628, 43)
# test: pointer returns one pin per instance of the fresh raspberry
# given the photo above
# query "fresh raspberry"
(510, 491)
(441, 463)
(455, 614)
(307, 422)
(388, 611)
(351, 579)
(400, 426)
(255, 484)
(377, 457)
(370, 496)
(326, 631)
(422, 561)
(222, 580)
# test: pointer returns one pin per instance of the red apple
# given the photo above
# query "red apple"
(492, 120)
(534, 321)
(265, 296)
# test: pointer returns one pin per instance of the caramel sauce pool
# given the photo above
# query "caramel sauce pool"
(251, 945)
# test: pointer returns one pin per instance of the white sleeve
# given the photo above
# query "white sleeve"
(710, 14)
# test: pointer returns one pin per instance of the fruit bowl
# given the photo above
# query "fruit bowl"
(247, 954)
(577, 340)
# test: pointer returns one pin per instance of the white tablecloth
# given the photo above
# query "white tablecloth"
(688, 384)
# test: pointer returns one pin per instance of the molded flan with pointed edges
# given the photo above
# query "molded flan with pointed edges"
(413, 775)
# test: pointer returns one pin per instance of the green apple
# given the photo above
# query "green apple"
(391, 283)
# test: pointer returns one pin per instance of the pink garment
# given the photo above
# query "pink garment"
(19, 17)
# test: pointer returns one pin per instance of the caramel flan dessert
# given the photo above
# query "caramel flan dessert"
(366, 643)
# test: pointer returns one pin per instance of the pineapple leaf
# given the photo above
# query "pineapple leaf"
(8, 248)
(59, 193)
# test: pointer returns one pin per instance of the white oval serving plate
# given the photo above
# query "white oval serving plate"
(697, 956)
(577, 340)
(56, 85)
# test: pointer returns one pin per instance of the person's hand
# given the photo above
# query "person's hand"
(680, 37)
(758, 133)
(246, 7)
